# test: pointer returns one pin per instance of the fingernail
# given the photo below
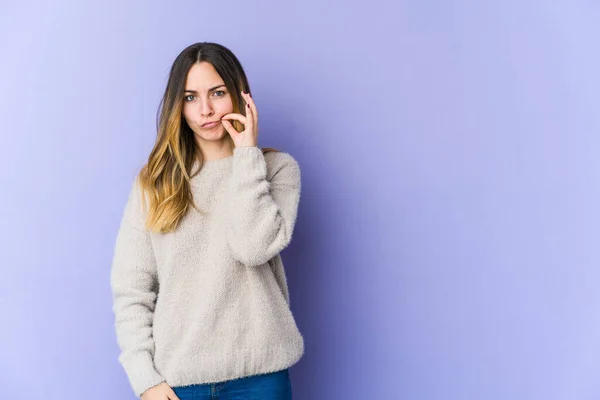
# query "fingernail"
(243, 91)
(248, 105)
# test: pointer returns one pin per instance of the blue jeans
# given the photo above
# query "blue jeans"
(272, 386)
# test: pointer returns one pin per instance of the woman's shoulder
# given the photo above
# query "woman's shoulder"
(277, 157)
(281, 162)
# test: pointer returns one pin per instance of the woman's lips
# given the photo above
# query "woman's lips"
(210, 125)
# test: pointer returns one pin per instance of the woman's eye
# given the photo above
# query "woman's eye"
(222, 93)
(187, 98)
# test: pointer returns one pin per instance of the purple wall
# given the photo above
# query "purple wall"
(447, 241)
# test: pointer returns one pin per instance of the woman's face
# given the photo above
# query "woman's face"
(206, 100)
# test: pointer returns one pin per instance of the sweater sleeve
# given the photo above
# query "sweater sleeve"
(134, 289)
(261, 213)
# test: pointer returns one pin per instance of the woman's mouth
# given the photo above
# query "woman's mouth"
(210, 124)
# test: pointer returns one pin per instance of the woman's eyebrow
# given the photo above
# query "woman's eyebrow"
(210, 90)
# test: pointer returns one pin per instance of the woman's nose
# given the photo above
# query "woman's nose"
(205, 108)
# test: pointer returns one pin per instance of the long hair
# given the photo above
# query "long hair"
(165, 178)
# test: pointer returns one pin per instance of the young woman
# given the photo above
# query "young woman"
(200, 294)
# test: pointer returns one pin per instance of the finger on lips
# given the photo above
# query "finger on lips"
(239, 117)
(249, 120)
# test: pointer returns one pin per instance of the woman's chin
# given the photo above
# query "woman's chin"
(212, 135)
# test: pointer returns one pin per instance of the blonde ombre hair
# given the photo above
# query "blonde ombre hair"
(165, 178)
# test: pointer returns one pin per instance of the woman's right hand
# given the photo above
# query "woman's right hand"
(159, 392)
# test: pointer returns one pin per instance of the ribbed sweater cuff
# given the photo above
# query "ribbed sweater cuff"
(141, 372)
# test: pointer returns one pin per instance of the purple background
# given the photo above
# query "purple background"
(447, 240)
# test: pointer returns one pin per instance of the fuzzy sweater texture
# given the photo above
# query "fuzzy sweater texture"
(209, 301)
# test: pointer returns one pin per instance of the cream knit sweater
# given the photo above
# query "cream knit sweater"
(209, 302)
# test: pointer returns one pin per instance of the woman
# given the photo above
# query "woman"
(200, 294)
